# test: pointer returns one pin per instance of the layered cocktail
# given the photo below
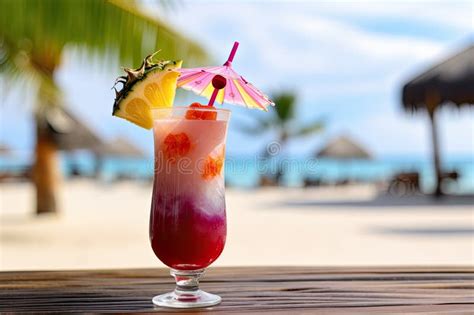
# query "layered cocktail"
(188, 214)
(188, 218)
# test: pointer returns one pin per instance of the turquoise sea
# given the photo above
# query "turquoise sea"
(246, 171)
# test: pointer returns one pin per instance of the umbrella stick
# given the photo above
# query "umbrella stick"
(219, 82)
(232, 54)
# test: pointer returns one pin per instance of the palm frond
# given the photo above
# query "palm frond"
(308, 129)
(18, 70)
(258, 126)
(114, 28)
(285, 104)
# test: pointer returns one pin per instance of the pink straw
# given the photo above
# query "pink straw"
(232, 54)
(219, 82)
(213, 97)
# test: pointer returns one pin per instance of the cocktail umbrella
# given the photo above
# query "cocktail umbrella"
(223, 84)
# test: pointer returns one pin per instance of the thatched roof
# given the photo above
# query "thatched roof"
(343, 148)
(69, 132)
(449, 82)
(120, 147)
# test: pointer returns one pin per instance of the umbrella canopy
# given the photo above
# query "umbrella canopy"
(120, 147)
(235, 90)
(343, 148)
(449, 82)
(68, 131)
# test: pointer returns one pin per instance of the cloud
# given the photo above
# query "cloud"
(291, 44)
(450, 14)
(340, 67)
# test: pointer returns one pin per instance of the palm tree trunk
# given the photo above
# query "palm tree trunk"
(46, 166)
(45, 172)
(280, 167)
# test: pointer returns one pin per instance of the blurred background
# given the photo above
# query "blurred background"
(367, 158)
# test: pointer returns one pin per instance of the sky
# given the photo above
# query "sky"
(346, 61)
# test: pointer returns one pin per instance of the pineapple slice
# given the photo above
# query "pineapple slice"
(137, 111)
(153, 85)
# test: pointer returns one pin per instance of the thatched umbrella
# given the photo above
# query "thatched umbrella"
(68, 131)
(343, 148)
(449, 83)
(120, 147)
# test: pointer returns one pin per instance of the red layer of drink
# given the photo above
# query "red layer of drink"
(184, 236)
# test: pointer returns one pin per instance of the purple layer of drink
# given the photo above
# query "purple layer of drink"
(188, 218)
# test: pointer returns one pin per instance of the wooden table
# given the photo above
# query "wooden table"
(275, 290)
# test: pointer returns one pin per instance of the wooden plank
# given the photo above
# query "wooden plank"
(276, 290)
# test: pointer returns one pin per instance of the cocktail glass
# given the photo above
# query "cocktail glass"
(188, 217)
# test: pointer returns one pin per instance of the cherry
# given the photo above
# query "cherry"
(219, 82)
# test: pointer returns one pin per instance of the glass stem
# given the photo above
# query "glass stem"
(187, 283)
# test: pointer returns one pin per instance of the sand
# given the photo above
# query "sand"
(106, 226)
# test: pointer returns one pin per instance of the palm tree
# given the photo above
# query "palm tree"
(34, 34)
(282, 122)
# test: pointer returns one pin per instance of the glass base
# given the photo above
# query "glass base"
(187, 293)
(197, 299)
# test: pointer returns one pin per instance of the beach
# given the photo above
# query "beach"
(106, 226)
